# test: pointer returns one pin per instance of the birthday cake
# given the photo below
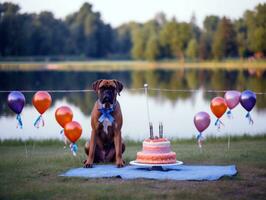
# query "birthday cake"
(156, 151)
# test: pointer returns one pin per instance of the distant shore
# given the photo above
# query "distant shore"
(106, 65)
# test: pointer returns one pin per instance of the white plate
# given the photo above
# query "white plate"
(134, 162)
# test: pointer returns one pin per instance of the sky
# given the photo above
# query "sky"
(117, 12)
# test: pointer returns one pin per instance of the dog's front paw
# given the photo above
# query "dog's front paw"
(87, 164)
(120, 163)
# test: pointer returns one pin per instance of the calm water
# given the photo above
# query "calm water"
(174, 109)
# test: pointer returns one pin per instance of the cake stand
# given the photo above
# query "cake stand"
(155, 166)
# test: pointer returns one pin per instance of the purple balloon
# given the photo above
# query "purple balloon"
(202, 120)
(16, 101)
(232, 98)
(248, 100)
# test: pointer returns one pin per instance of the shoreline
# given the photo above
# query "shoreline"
(130, 142)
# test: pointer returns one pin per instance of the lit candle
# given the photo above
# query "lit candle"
(151, 131)
(161, 130)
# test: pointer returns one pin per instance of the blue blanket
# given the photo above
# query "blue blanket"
(182, 172)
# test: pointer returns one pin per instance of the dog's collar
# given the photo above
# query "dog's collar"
(106, 112)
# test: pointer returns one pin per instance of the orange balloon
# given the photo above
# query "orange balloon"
(73, 131)
(63, 115)
(42, 100)
(218, 106)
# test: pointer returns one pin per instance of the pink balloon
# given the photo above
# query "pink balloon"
(202, 120)
(232, 98)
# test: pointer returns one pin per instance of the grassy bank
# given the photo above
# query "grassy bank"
(36, 176)
(130, 65)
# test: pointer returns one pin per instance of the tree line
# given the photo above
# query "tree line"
(84, 33)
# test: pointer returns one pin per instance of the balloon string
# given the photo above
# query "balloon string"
(19, 121)
(130, 89)
(218, 123)
(63, 137)
(200, 138)
(38, 121)
(250, 120)
(73, 148)
(42, 122)
(229, 114)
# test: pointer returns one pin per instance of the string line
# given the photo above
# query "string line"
(129, 89)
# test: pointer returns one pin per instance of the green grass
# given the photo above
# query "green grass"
(36, 176)
(106, 65)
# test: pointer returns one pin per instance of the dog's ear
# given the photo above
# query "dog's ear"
(119, 86)
(95, 85)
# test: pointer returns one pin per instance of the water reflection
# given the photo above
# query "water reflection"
(170, 107)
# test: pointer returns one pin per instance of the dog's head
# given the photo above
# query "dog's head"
(107, 91)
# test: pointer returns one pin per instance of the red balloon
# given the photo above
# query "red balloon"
(42, 100)
(63, 115)
(73, 131)
(218, 106)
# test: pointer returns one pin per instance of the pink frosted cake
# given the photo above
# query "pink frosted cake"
(156, 151)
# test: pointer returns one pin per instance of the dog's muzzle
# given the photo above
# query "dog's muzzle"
(107, 98)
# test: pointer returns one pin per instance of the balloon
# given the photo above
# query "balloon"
(232, 99)
(73, 132)
(202, 121)
(248, 101)
(42, 101)
(218, 107)
(16, 102)
(63, 115)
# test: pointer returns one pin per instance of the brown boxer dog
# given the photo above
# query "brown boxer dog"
(105, 144)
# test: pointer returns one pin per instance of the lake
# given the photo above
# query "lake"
(175, 109)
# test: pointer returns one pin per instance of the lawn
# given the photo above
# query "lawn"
(36, 176)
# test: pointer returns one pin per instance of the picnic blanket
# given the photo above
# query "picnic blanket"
(182, 172)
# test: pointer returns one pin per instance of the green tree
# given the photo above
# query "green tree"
(30, 34)
(144, 39)
(152, 51)
(204, 47)
(224, 44)
(90, 35)
(10, 31)
(192, 49)
(196, 32)
(241, 37)
(256, 23)
(48, 35)
(210, 23)
(123, 39)
(206, 39)
(174, 38)
(138, 48)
